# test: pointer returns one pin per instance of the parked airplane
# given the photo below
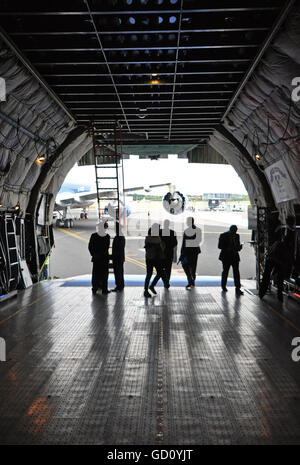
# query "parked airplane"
(72, 196)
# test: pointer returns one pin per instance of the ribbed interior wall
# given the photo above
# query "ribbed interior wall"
(265, 118)
(263, 115)
(29, 104)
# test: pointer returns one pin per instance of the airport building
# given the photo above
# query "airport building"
(98, 81)
(223, 196)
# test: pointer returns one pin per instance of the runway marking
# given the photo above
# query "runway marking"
(129, 259)
(136, 262)
(133, 237)
(73, 234)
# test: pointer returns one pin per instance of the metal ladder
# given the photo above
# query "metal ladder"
(107, 148)
(13, 266)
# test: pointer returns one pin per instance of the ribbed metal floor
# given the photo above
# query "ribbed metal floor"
(185, 367)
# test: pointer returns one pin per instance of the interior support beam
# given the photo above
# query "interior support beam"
(282, 16)
(135, 12)
(34, 72)
(20, 128)
(157, 31)
(35, 192)
(259, 174)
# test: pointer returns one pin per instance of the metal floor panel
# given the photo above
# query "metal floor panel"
(185, 367)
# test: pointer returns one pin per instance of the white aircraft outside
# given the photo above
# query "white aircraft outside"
(72, 196)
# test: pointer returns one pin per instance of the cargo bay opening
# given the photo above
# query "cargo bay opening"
(197, 366)
(145, 206)
(236, 95)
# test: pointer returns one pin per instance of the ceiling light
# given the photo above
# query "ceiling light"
(17, 207)
(257, 157)
(132, 20)
(40, 160)
(172, 19)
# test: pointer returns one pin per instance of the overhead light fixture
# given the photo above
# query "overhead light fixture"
(257, 157)
(40, 160)
(17, 207)
(154, 74)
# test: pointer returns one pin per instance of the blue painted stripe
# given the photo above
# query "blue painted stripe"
(138, 281)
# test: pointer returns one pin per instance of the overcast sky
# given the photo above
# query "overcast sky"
(191, 178)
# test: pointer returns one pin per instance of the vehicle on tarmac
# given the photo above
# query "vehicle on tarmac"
(237, 208)
(213, 204)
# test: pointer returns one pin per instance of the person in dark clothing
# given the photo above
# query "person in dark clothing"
(98, 248)
(118, 257)
(229, 243)
(170, 241)
(154, 247)
(280, 259)
(190, 250)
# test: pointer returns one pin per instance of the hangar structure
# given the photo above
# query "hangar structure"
(176, 74)
(171, 73)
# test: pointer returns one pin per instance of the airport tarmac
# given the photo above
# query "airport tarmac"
(70, 256)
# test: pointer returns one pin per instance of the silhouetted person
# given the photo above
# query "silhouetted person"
(98, 248)
(170, 241)
(190, 250)
(280, 259)
(118, 257)
(229, 243)
(154, 247)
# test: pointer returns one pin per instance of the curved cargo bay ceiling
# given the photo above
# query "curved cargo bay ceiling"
(165, 69)
(265, 118)
(33, 124)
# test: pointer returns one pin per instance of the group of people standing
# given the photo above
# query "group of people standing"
(161, 251)
(280, 258)
(99, 249)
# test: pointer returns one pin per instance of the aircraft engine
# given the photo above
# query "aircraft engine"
(174, 202)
